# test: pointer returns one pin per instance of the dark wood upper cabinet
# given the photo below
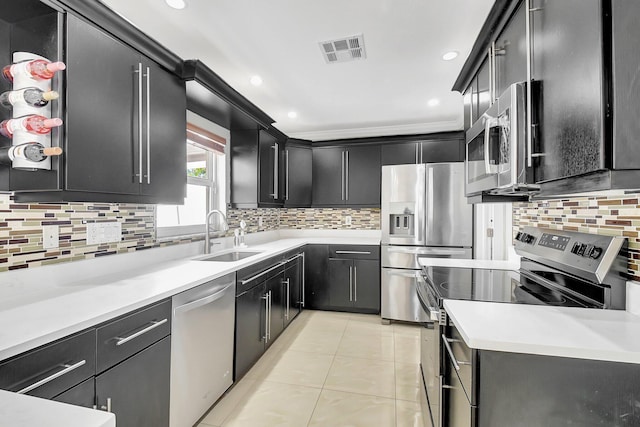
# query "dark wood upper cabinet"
(584, 60)
(437, 148)
(328, 176)
(270, 170)
(346, 176)
(297, 177)
(568, 60)
(126, 119)
(511, 53)
(256, 169)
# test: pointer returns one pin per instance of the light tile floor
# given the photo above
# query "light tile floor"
(330, 369)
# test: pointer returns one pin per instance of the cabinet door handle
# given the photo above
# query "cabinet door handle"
(303, 270)
(456, 363)
(350, 283)
(354, 252)
(355, 283)
(67, 368)
(266, 317)
(286, 174)
(342, 178)
(139, 72)
(346, 177)
(288, 283)
(491, 71)
(107, 407)
(262, 273)
(148, 75)
(274, 147)
(154, 324)
(270, 301)
(300, 255)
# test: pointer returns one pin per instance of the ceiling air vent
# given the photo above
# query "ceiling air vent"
(344, 49)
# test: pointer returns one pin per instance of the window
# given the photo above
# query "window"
(205, 170)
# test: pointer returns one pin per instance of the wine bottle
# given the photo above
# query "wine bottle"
(32, 151)
(28, 96)
(32, 123)
(37, 69)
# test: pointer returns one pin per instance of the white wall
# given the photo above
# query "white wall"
(496, 217)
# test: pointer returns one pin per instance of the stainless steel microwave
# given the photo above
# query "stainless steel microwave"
(496, 148)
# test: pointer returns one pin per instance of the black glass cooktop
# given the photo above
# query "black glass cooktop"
(504, 286)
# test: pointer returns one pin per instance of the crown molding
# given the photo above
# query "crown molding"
(416, 128)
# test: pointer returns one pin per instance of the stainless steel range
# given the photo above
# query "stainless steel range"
(558, 268)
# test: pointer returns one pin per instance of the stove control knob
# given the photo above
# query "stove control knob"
(575, 248)
(529, 239)
(595, 253)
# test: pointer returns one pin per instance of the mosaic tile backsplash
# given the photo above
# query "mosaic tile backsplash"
(21, 231)
(21, 228)
(330, 218)
(615, 214)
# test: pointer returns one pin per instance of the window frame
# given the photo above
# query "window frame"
(212, 184)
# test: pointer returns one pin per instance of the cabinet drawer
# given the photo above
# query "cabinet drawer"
(354, 251)
(464, 358)
(255, 275)
(56, 367)
(128, 335)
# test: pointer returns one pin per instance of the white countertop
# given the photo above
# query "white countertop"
(53, 302)
(582, 333)
(18, 410)
(49, 303)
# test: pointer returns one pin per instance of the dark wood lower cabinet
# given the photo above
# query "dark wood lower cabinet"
(138, 388)
(340, 283)
(316, 258)
(366, 282)
(353, 279)
(81, 395)
(250, 329)
(293, 289)
(275, 285)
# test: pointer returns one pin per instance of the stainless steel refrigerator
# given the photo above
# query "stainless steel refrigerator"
(424, 213)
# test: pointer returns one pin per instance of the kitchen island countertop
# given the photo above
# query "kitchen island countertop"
(20, 410)
(582, 333)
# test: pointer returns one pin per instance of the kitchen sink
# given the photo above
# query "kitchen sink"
(231, 256)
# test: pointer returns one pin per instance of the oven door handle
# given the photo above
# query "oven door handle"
(432, 310)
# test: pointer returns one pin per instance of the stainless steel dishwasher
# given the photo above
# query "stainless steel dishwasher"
(201, 348)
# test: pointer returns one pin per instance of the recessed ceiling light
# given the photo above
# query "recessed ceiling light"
(450, 55)
(433, 102)
(292, 114)
(176, 4)
(256, 80)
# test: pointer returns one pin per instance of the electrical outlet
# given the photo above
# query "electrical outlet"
(103, 232)
(347, 220)
(50, 236)
(260, 221)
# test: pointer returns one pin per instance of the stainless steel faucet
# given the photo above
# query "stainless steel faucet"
(207, 227)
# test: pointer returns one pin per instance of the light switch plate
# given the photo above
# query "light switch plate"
(103, 232)
(50, 236)
(347, 220)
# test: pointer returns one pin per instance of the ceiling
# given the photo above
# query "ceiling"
(387, 93)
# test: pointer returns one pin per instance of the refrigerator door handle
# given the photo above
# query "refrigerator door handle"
(429, 224)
